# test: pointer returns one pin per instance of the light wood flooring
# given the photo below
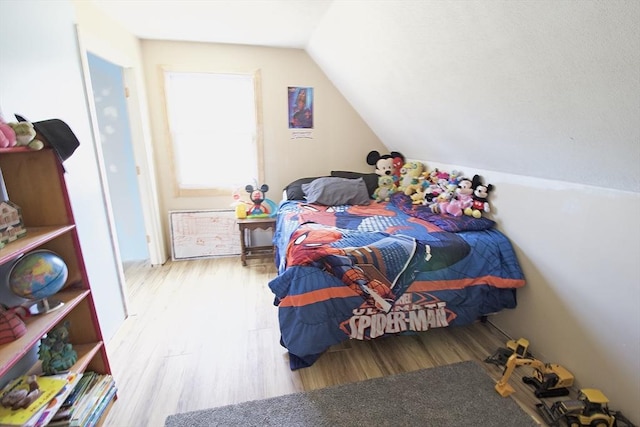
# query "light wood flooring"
(205, 333)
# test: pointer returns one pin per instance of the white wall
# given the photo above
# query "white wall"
(543, 88)
(41, 78)
(340, 139)
(579, 247)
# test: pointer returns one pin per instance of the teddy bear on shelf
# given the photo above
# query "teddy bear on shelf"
(386, 187)
(480, 197)
(26, 135)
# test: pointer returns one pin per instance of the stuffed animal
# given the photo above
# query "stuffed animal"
(462, 198)
(386, 187)
(480, 203)
(55, 352)
(26, 135)
(411, 182)
(7, 135)
(387, 164)
(257, 196)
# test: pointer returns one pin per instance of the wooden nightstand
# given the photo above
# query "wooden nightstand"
(250, 252)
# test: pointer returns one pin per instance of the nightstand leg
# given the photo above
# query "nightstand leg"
(243, 247)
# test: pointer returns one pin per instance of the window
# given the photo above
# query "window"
(215, 131)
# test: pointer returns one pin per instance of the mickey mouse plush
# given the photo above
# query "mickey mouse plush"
(257, 196)
(386, 164)
(480, 196)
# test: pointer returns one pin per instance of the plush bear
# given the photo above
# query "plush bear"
(480, 197)
(386, 187)
(26, 135)
(411, 174)
(387, 164)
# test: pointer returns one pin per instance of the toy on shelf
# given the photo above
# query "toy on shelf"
(26, 135)
(21, 397)
(7, 135)
(549, 379)
(55, 352)
(11, 223)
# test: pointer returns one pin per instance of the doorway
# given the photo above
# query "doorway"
(114, 131)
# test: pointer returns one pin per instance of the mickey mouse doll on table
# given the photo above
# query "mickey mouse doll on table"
(257, 196)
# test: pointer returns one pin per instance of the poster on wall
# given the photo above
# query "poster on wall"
(300, 108)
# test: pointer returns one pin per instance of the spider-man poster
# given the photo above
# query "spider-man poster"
(300, 108)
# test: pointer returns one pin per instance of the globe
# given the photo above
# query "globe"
(36, 276)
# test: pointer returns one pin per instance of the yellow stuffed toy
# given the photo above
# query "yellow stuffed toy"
(26, 135)
(410, 181)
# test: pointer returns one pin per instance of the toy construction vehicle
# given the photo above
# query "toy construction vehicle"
(549, 380)
(590, 409)
(501, 355)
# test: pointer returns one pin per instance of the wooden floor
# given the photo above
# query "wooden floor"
(205, 333)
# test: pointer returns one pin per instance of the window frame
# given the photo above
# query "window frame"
(259, 133)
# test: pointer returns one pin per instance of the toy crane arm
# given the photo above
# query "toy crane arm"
(502, 386)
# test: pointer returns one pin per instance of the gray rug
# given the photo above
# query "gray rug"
(461, 394)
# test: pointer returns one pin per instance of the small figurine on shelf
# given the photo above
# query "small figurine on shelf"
(11, 224)
(56, 353)
(20, 396)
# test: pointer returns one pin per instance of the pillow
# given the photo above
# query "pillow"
(294, 189)
(370, 179)
(331, 191)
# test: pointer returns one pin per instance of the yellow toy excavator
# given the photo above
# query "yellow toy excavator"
(549, 379)
(589, 409)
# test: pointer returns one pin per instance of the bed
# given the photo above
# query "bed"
(363, 269)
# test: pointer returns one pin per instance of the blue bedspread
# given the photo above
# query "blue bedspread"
(362, 272)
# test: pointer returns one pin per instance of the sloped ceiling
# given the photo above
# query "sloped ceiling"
(542, 88)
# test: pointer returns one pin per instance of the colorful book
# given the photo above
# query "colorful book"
(93, 395)
(55, 404)
(102, 406)
(63, 415)
(49, 387)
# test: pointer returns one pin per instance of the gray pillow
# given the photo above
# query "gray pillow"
(331, 191)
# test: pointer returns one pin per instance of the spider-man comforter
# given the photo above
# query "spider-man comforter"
(361, 272)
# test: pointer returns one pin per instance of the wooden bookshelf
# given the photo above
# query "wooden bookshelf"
(35, 182)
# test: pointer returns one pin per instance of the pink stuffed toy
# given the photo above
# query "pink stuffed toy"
(7, 135)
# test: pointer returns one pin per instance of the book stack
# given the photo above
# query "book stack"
(71, 400)
(86, 403)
